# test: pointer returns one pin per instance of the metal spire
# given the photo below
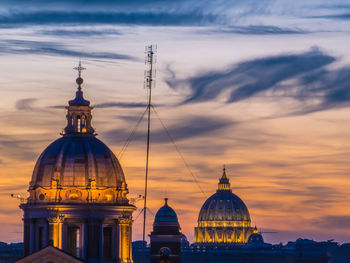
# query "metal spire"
(150, 50)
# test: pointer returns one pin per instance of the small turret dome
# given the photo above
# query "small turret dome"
(166, 215)
(256, 238)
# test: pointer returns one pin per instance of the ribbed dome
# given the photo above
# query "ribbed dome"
(224, 206)
(76, 158)
(165, 214)
(224, 218)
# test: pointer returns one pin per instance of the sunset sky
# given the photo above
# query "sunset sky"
(261, 86)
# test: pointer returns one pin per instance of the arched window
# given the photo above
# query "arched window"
(79, 124)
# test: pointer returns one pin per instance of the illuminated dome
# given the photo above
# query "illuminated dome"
(76, 159)
(224, 206)
(223, 218)
(78, 196)
(78, 167)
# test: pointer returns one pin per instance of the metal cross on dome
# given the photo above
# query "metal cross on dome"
(79, 68)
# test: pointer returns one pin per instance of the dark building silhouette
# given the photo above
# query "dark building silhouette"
(166, 236)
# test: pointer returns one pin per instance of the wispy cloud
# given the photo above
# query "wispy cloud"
(107, 17)
(304, 77)
(80, 32)
(17, 148)
(332, 221)
(121, 105)
(27, 47)
(155, 12)
(255, 30)
(25, 104)
(126, 105)
(191, 127)
(249, 78)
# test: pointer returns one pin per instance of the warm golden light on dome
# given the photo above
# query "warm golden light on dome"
(223, 218)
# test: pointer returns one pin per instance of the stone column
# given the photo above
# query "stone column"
(55, 231)
(115, 242)
(26, 236)
(125, 254)
(101, 240)
(46, 234)
(32, 236)
(84, 239)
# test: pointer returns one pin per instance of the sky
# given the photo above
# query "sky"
(260, 86)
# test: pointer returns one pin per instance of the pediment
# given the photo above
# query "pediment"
(49, 255)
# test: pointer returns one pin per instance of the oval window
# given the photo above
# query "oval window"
(74, 196)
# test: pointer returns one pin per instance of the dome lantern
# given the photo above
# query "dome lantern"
(79, 110)
(224, 182)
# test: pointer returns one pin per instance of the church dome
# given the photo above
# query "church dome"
(223, 219)
(74, 159)
(78, 167)
(224, 205)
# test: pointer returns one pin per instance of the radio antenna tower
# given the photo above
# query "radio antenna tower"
(149, 83)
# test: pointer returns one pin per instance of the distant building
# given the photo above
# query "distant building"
(166, 236)
(224, 219)
(341, 254)
(78, 195)
(10, 252)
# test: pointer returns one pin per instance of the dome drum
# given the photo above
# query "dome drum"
(78, 196)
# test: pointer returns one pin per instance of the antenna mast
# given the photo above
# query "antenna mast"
(149, 60)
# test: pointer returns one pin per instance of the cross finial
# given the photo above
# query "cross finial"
(79, 80)
(79, 68)
(224, 171)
